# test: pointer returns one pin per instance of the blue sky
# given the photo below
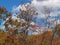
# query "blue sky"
(8, 4)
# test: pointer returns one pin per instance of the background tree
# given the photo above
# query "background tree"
(47, 10)
(4, 14)
(56, 32)
(57, 28)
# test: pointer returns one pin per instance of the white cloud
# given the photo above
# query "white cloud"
(20, 7)
(35, 33)
(58, 21)
(40, 4)
(46, 2)
(32, 23)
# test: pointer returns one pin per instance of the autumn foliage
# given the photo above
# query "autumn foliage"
(9, 39)
(16, 30)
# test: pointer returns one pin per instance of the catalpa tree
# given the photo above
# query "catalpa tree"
(22, 21)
